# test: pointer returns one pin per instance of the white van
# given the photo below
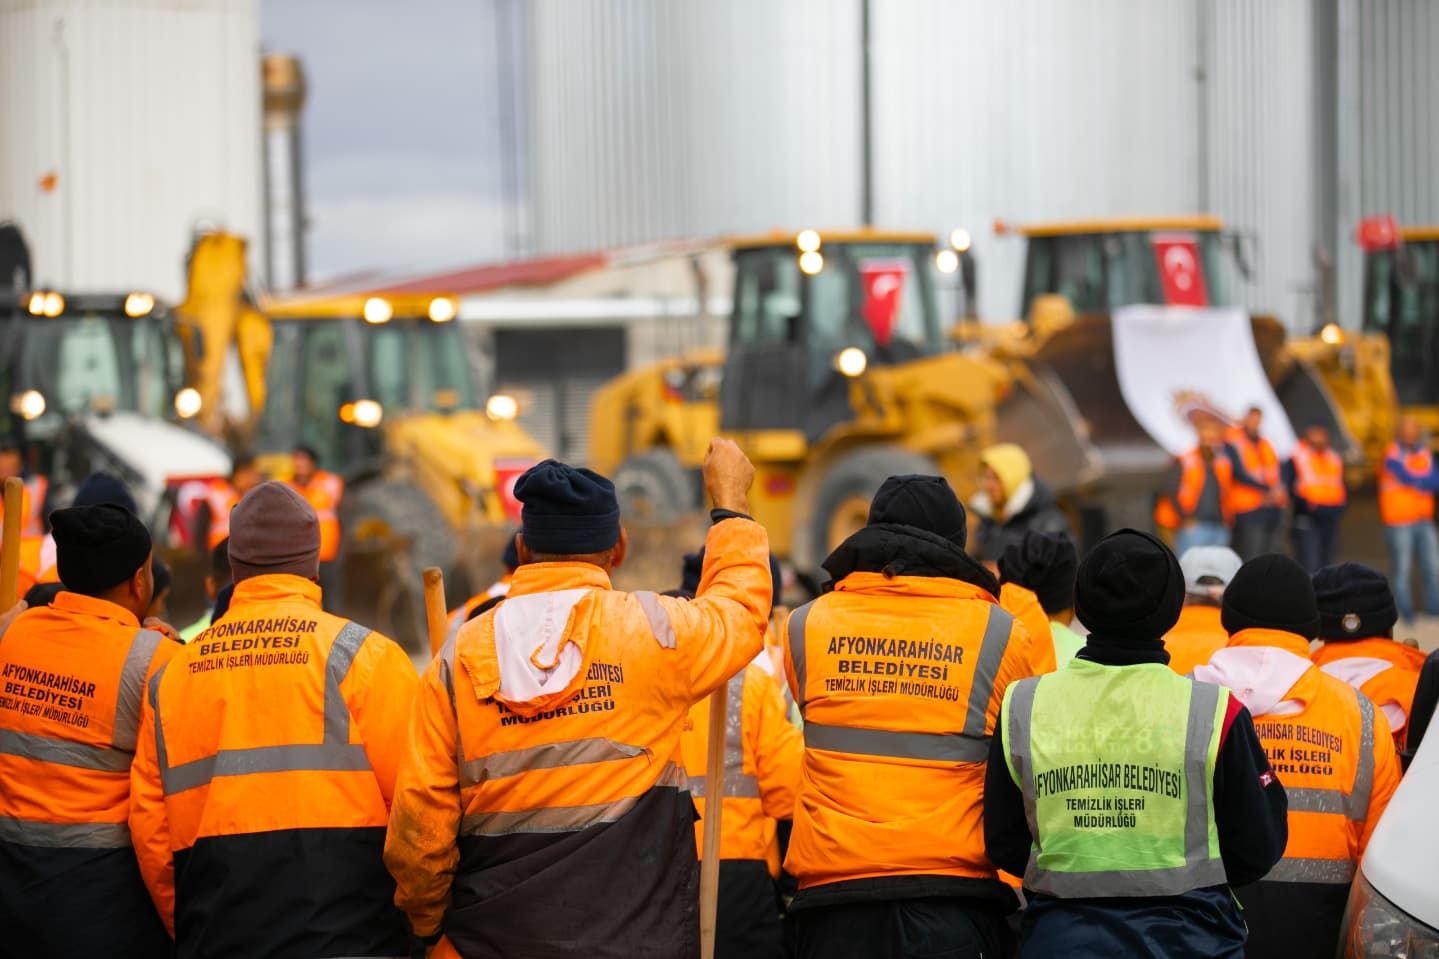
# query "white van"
(1394, 908)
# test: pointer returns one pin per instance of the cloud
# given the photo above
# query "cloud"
(420, 231)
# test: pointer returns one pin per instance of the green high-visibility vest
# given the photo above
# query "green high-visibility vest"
(1116, 764)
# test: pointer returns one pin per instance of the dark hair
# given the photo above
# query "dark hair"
(161, 574)
(1254, 409)
(220, 561)
(41, 594)
(308, 451)
(241, 461)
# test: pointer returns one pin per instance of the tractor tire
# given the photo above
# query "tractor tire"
(655, 490)
(392, 531)
(841, 503)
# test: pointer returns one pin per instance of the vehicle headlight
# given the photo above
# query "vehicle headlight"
(502, 406)
(443, 309)
(139, 304)
(36, 304)
(28, 405)
(188, 402)
(1375, 928)
(1333, 334)
(377, 310)
(811, 262)
(54, 304)
(808, 241)
(959, 239)
(946, 261)
(851, 361)
(368, 413)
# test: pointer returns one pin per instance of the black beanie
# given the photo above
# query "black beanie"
(1354, 602)
(97, 547)
(511, 557)
(103, 488)
(1129, 588)
(1044, 564)
(568, 511)
(1271, 592)
(692, 569)
(924, 502)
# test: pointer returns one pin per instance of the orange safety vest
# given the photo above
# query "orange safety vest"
(460, 615)
(1399, 503)
(1336, 759)
(221, 497)
(268, 753)
(1192, 475)
(763, 754)
(1197, 636)
(1384, 670)
(1024, 606)
(324, 492)
(897, 719)
(552, 725)
(1318, 477)
(1259, 461)
(74, 674)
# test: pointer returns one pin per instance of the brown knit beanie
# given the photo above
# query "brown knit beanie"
(274, 530)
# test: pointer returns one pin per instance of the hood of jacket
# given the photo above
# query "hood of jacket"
(897, 550)
(1261, 667)
(1029, 499)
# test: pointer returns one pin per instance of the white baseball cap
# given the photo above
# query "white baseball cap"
(1211, 563)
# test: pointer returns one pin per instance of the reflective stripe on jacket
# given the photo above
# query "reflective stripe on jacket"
(1318, 476)
(899, 681)
(1116, 765)
(267, 758)
(543, 796)
(1401, 504)
(763, 753)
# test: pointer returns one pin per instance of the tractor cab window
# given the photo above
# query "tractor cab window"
(279, 428)
(768, 303)
(1401, 300)
(877, 296)
(1101, 272)
(327, 383)
(414, 364)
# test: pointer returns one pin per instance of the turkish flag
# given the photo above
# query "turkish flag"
(1180, 270)
(507, 474)
(883, 283)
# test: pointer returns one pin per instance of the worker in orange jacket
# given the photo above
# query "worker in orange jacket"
(543, 808)
(1195, 505)
(1356, 625)
(1199, 633)
(267, 758)
(73, 675)
(1314, 476)
(323, 490)
(1408, 480)
(1329, 746)
(1256, 493)
(222, 495)
(899, 672)
(1037, 577)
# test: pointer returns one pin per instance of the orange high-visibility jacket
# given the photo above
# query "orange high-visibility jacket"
(324, 492)
(1260, 462)
(1336, 759)
(763, 752)
(543, 796)
(899, 681)
(221, 497)
(1385, 671)
(1024, 606)
(1198, 635)
(460, 615)
(72, 677)
(1192, 476)
(1318, 476)
(262, 781)
(1399, 503)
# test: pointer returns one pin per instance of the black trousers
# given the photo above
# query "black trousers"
(747, 922)
(902, 929)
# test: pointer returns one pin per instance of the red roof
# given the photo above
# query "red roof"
(540, 271)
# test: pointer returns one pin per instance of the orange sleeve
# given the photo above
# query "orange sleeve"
(149, 829)
(380, 690)
(1016, 664)
(1024, 606)
(722, 629)
(775, 746)
(420, 847)
(1387, 773)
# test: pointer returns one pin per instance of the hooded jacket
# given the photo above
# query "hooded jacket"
(1032, 506)
(543, 808)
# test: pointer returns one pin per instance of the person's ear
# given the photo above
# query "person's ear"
(621, 548)
(522, 550)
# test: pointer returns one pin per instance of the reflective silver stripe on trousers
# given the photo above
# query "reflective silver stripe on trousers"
(1364, 769)
(1312, 870)
(797, 619)
(555, 819)
(737, 783)
(659, 619)
(62, 752)
(991, 653)
(65, 835)
(573, 752)
(939, 747)
(334, 753)
(130, 693)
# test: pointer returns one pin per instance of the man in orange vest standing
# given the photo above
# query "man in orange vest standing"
(1407, 483)
(224, 494)
(1256, 496)
(1314, 476)
(1200, 490)
(323, 490)
(1329, 746)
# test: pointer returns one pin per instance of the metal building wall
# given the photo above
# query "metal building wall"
(148, 114)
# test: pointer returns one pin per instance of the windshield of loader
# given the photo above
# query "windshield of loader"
(419, 366)
(1401, 300)
(1101, 272)
(88, 360)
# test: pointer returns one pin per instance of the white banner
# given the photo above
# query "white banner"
(1177, 362)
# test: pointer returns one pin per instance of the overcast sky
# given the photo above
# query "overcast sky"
(401, 130)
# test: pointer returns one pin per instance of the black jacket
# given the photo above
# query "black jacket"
(1041, 514)
(1250, 813)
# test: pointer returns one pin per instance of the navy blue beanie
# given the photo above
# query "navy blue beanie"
(102, 488)
(511, 558)
(568, 511)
